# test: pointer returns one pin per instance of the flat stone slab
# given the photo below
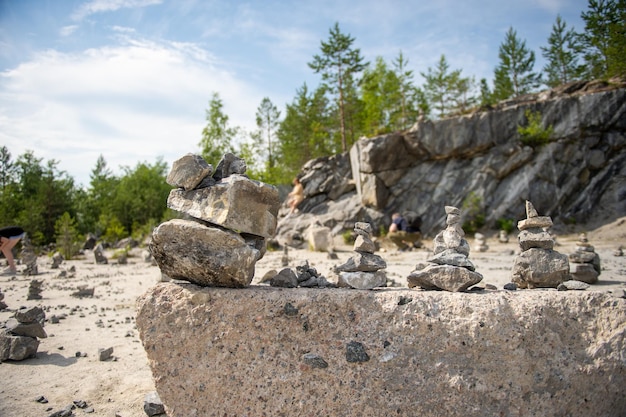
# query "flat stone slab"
(387, 352)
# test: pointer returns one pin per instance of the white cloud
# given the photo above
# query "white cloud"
(68, 30)
(99, 6)
(130, 102)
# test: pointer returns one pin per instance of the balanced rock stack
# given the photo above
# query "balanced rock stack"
(29, 258)
(18, 340)
(481, 242)
(585, 262)
(538, 265)
(364, 270)
(449, 268)
(228, 218)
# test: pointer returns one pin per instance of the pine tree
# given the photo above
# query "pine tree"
(441, 86)
(604, 38)
(338, 63)
(267, 121)
(217, 135)
(561, 55)
(408, 112)
(514, 76)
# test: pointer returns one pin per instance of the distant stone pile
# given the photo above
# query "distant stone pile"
(19, 338)
(364, 269)
(538, 266)
(449, 268)
(228, 219)
(585, 262)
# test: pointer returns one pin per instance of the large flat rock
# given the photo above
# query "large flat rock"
(339, 352)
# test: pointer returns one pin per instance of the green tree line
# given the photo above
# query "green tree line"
(355, 98)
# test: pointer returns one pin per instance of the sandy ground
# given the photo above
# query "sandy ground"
(117, 387)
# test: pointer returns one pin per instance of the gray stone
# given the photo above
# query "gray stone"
(320, 238)
(188, 172)
(539, 221)
(584, 273)
(540, 268)
(57, 260)
(105, 354)
(363, 226)
(440, 245)
(355, 352)
(574, 285)
(535, 238)
(17, 348)
(236, 202)
(286, 278)
(451, 257)
(362, 280)
(364, 244)
(444, 277)
(230, 164)
(152, 404)
(33, 329)
(362, 261)
(314, 361)
(30, 315)
(582, 257)
(99, 256)
(204, 255)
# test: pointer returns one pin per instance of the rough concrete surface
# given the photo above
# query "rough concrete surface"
(263, 351)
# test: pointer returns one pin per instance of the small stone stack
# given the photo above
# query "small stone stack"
(585, 262)
(57, 260)
(29, 258)
(538, 266)
(98, 253)
(364, 270)
(3, 305)
(228, 218)
(481, 242)
(449, 268)
(503, 236)
(34, 290)
(18, 340)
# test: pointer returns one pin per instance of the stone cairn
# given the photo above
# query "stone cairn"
(364, 270)
(303, 275)
(19, 338)
(228, 219)
(449, 268)
(57, 260)
(480, 242)
(538, 266)
(34, 290)
(503, 236)
(585, 262)
(29, 258)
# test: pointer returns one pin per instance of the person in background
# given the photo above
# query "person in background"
(9, 236)
(295, 197)
(404, 234)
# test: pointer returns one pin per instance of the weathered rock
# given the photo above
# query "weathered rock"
(444, 277)
(188, 250)
(17, 348)
(459, 245)
(451, 257)
(152, 404)
(105, 354)
(364, 244)
(573, 285)
(434, 354)
(236, 202)
(362, 261)
(584, 272)
(320, 238)
(362, 280)
(230, 164)
(188, 172)
(286, 278)
(536, 268)
(30, 315)
(33, 329)
(535, 238)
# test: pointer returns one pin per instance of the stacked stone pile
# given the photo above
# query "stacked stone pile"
(34, 290)
(29, 258)
(228, 219)
(364, 270)
(19, 338)
(449, 268)
(538, 265)
(481, 242)
(585, 262)
(3, 305)
(303, 275)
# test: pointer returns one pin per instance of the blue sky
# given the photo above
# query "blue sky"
(131, 79)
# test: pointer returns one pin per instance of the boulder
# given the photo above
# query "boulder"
(276, 351)
(236, 203)
(362, 280)
(535, 268)
(320, 238)
(584, 272)
(205, 255)
(188, 172)
(33, 329)
(17, 348)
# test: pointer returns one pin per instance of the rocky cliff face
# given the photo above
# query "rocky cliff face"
(578, 177)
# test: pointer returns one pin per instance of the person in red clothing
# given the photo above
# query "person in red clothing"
(9, 236)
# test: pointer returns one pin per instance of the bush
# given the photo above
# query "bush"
(473, 213)
(508, 225)
(534, 134)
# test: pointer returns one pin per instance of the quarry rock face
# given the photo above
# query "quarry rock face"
(441, 162)
(343, 352)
